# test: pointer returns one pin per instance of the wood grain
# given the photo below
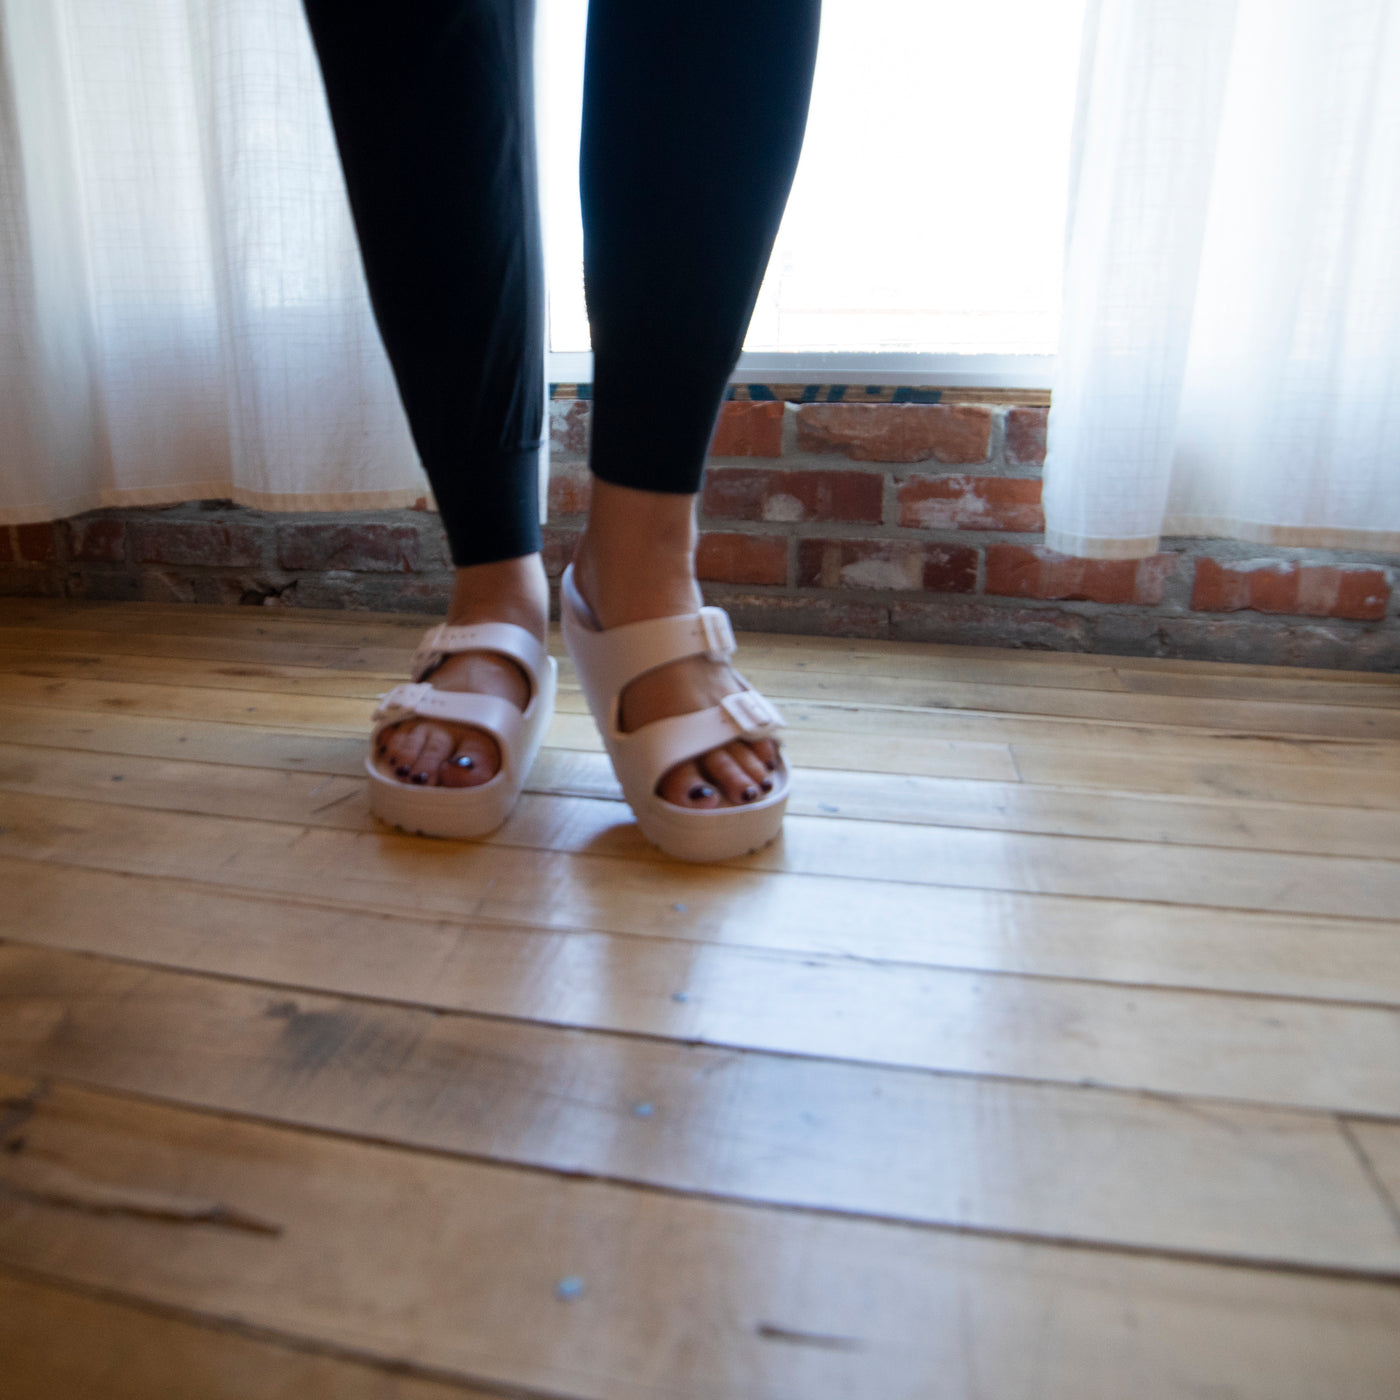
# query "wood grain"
(129, 1352)
(1262, 1050)
(929, 691)
(1054, 1052)
(1147, 1172)
(247, 779)
(455, 1265)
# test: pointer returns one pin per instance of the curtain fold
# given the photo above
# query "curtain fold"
(182, 308)
(1230, 353)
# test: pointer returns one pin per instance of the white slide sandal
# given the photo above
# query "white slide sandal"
(465, 812)
(608, 661)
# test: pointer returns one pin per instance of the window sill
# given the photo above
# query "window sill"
(806, 367)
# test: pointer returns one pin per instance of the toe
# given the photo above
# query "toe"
(749, 761)
(404, 749)
(686, 786)
(767, 752)
(737, 786)
(436, 747)
(474, 761)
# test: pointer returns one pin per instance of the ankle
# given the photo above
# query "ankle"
(636, 556)
(508, 590)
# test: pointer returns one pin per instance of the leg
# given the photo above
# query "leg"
(434, 116)
(693, 121)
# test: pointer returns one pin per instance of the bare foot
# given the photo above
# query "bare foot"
(433, 753)
(635, 562)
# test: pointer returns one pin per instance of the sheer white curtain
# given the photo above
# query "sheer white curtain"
(182, 310)
(1230, 347)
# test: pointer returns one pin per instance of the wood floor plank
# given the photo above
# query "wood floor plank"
(1354, 721)
(1378, 1149)
(1183, 1176)
(1055, 1050)
(304, 646)
(860, 757)
(128, 1352)
(941, 856)
(455, 1265)
(1336, 960)
(284, 793)
(899, 854)
(397, 631)
(1260, 1050)
(308, 710)
(1117, 940)
(301, 647)
(1322, 784)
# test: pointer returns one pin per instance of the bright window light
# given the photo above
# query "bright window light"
(927, 216)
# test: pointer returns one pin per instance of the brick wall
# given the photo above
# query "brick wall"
(914, 521)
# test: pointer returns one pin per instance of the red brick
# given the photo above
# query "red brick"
(1021, 571)
(905, 432)
(1025, 435)
(37, 544)
(756, 493)
(970, 503)
(725, 558)
(164, 541)
(747, 429)
(1308, 590)
(984, 623)
(808, 614)
(30, 583)
(570, 487)
(569, 421)
(903, 566)
(358, 548)
(101, 541)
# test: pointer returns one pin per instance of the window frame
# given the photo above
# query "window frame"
(949, 371)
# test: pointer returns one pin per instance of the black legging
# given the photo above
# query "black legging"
(693, 119)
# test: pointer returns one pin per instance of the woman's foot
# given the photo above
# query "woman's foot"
(433, 753)
(635, 562)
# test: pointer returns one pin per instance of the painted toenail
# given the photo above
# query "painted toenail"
(462, 760)
(700, 792)
(768, 785)
(420, 778)
(402, 770)
(750, 793)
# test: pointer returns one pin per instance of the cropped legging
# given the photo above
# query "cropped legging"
(693, 118)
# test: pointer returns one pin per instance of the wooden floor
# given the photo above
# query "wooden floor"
(1053, 1055)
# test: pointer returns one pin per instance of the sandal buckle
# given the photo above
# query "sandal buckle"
(717, 633)
(752, 713)
(403, 699)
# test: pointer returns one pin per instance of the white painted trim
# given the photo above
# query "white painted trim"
(949, 371)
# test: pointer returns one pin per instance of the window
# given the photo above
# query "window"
(923, 239)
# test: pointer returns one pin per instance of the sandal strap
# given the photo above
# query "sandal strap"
(746, 714)
(497, 717)
(503, 638)
(638, 647)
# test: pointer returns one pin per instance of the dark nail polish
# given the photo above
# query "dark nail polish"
(402, 770)
(463, 760)
(768, 785)
(750, 793)
(771, 767)
(700, 792)
(420, 778)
